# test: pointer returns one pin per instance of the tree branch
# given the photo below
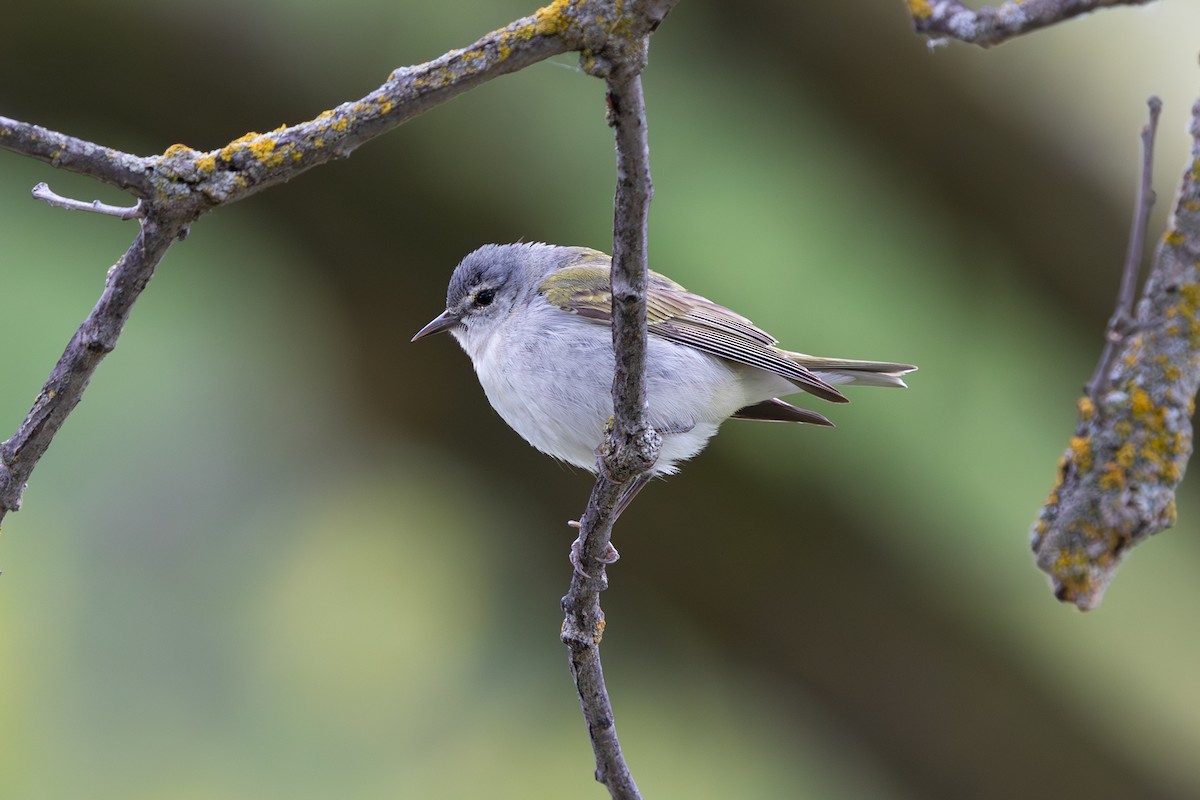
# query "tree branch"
(1120, 325)
(105, 164)
(631, 445)
(95, 339)
(180, 185)
(950, 19)
(1117, 479)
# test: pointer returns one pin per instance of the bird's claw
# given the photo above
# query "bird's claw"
(610, 556)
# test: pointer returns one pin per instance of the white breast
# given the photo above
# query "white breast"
(549, 376)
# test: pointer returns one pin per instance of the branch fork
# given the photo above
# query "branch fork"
(182, 184)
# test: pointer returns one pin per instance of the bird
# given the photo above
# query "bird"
(535, 320)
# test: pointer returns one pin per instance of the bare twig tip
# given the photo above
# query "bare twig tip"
(42, 191)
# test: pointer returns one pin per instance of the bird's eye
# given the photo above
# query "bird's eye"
(484, 297)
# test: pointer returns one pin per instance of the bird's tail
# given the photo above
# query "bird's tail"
(844, 371)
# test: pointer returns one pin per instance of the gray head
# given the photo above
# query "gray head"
(493, 280)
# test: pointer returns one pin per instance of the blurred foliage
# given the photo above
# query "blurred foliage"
(278, 552)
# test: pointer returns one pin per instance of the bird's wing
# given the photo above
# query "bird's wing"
(678, 315)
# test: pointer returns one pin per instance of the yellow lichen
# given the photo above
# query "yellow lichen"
(230, 150)
(1170, 472)
(1139, 402)
(920, 9)
(177, 150)
(1072, 570)
(1087, 409)
(1125, 455)
(1081, 452)
(1113, 478)
(206, 163)
(261, 148)
(551, 19)
(1189, 306)
(1174, 238)
(1189, 293)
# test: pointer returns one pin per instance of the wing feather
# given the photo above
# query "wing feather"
(677, 315)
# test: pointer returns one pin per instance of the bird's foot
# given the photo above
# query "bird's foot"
(610, 556)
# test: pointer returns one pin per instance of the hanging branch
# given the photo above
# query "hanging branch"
(1117, 479)
(950, 19)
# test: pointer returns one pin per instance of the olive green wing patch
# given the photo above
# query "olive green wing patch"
(678, 315)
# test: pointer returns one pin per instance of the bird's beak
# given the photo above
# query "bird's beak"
(442, 322)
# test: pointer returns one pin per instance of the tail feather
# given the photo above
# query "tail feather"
(843, 371)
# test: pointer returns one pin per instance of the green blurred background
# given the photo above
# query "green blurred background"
(278, 552)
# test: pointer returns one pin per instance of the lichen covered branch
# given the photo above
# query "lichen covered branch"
(1118, 477)
(180, 185)
(69, 153)
(950, 19)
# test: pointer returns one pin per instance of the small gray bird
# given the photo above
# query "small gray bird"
(534, 318)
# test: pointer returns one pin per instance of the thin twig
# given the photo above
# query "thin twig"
(43, 192)
(631, 445)
(95, 339)
(1120, 325)
(950, 19)
(1117, 480)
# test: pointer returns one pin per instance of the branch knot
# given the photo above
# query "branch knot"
(628, 454)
